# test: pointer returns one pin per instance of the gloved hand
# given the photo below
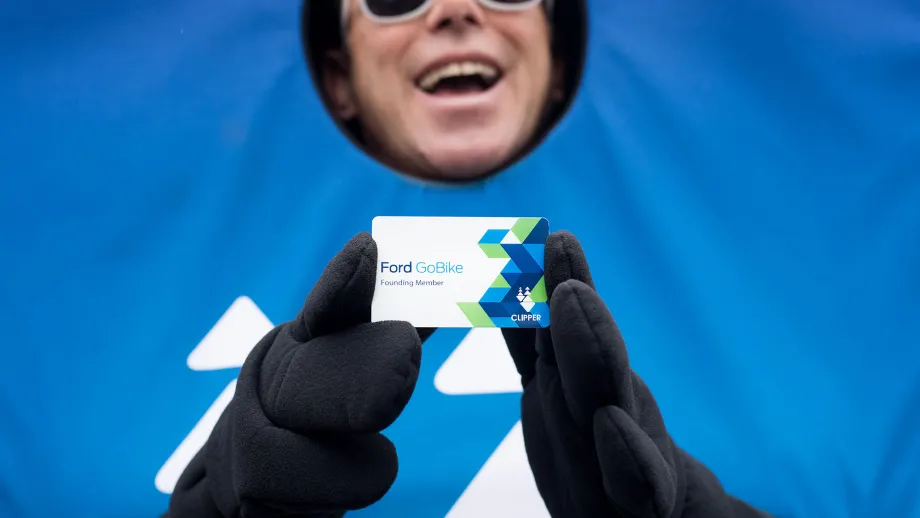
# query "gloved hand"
(595, 439)
(301, 435)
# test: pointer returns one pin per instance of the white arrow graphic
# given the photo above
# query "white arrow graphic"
(224, 347)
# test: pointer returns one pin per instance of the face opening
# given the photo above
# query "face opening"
(455, 92)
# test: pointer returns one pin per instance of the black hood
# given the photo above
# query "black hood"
(320, 31)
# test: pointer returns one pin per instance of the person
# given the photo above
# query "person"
(302, 435)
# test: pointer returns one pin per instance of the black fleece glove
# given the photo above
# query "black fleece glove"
(301, 435)
(595, 439)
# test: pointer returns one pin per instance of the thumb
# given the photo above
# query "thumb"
(342, 296)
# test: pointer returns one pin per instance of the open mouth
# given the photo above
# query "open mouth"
(459, 78)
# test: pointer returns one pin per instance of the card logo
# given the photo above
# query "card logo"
(526, 302)
(520, 285)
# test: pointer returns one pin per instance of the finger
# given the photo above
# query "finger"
(342, 296)
(637, 478)
(563, 260)
(590, 353)
(357, 380)
(286, 472)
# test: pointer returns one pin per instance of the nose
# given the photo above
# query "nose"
(454, 15)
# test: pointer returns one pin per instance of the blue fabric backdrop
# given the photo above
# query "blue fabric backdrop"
(745, 177)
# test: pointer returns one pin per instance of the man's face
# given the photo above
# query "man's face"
(452, 94)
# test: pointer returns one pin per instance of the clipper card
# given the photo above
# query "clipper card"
(461, 272)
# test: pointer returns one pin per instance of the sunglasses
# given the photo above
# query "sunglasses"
(395, 11)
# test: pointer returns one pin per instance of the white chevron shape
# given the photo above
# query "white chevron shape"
(226, 346)
(172, 469)
(229, 342)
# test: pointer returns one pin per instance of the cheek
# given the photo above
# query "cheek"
(535, 81)
(379, 49)
(384, 95)
(377, 69)
(529, 40)
(540, 57)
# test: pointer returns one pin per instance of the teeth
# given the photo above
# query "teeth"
(461, 69)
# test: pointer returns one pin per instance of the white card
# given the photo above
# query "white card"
(460, 272)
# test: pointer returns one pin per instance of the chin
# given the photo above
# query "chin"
(466, 163)
(465, 167)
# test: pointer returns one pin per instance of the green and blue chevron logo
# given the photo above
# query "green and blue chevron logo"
(517, 297)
